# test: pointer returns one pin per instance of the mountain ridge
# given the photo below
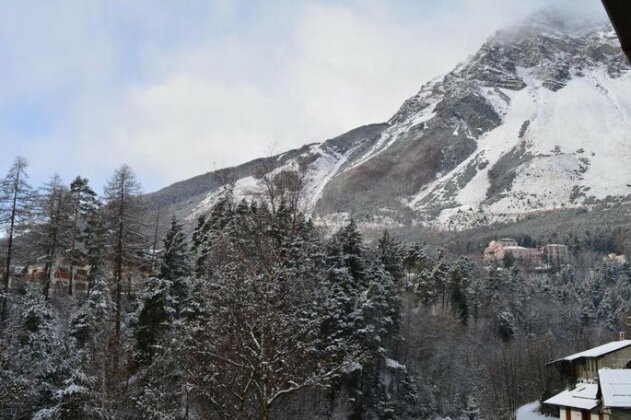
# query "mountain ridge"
(508, 132)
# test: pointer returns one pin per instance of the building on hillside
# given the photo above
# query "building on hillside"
(498, 250)
(619, 259)
(599, 375)
(551, 254)
(579, 403)
(60, 274)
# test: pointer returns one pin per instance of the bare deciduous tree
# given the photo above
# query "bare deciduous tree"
(16, 197)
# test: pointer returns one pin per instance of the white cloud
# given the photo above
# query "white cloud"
(221, 87)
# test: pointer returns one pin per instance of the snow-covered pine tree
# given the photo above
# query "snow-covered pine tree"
(200, 247)
(506, 324)
(458, 288)
(472, 409)
(85, 393)
(363, 315)
(431, 285)
(154, 317)
(375, 322)
(36, 360)
(221, 213)
(175, 261)
(391, 256)
(264, 313)
(345, 281)
(85, 204)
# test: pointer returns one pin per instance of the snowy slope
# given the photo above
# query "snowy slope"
(538, 119)
(325, 164)
(578, 142)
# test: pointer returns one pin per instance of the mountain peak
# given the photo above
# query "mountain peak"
(556, 20)
(517, 128)
(551, 22)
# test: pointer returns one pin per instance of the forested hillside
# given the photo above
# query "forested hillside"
(256, 313)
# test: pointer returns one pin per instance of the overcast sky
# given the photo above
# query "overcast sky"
(179, 88)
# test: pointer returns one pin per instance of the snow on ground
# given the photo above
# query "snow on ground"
(529, 412)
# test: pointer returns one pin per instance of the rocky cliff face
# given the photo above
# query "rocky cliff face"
(538, 119)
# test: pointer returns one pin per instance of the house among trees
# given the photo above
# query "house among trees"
(601, 383)
(502, 248)
(59, 274)
(551, 254)
(615, 258)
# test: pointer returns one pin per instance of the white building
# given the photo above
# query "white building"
(603, 383)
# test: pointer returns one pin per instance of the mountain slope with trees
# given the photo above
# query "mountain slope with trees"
(256, 313)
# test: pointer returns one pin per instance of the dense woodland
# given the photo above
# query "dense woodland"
(253, 312)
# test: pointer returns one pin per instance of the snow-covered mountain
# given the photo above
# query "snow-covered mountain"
(538, 119)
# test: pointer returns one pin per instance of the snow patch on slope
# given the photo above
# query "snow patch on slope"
(320, 173)
(317, 174)
(576, 141)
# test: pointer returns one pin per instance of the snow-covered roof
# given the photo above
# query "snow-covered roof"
(583, 397)
(597, 351)
(616, 387)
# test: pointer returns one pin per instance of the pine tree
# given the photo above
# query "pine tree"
(178, 375)
(162, 386)
(200, 247)
(414, 260)
(95, 241)
(84, 204)
(155, 315)
(16, 208)
(221, 214)
(459, 287)
(36, 361)
(391, 256)
(85, 392)
(345, 281)
(506, 324)
(175, 262)
(363, 316)
(352, 249)
(472, 409)
(154, 245)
